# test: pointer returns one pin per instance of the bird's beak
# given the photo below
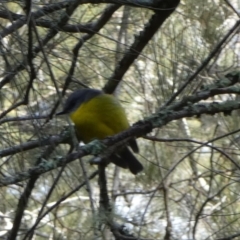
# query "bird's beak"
(61, 113)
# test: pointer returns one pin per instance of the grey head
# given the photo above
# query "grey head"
(77, 98)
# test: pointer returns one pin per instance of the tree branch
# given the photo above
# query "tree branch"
(157, 19)
(141, 128)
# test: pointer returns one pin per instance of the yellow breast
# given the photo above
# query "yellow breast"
(99, 118)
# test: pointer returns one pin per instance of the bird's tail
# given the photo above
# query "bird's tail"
(126, 159)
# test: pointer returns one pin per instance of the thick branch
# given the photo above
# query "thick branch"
(141, 128)
(166, 8)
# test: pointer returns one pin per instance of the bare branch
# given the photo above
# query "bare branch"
(157, 120)
(157, 19)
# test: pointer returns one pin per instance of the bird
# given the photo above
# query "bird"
(97, 115)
